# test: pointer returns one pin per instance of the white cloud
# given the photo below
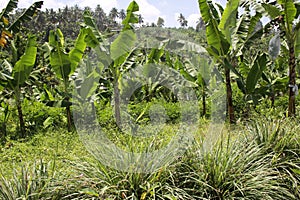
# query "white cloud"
(176, 16)
(52, 4)
(25, 3)
(192, 20)
(21, 4)
(222, 2)
(149, 12)
(163, 3)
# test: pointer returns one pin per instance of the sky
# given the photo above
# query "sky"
(169, 10)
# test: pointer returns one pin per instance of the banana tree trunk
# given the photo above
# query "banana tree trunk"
(69, 118)
(21, 118)
(203, 101)
(230, 108)
(117, 104)
(292, 82)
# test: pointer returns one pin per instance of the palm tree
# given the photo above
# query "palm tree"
(122, 14)
(76, 11)
(113, 14)
(100, 17)
(183, 22)
(141, 19)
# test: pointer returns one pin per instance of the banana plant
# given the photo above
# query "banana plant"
(228, 35)
(219, 39)
(284, 14)
(18, 71)
(64, 64)
(193, 66)
(198, 70)
(114, 55)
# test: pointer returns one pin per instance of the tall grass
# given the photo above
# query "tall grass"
(282, 139)
(258, 161)
(29, 182)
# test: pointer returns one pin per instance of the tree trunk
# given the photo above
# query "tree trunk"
(229, 97)
(21, 119)
(117, 104)
(3, 129)
(292, 81)
(272, 97)
(203, 101)
(69, 118)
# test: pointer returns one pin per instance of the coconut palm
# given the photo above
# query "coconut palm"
(113, 14)
(122, 14)
(141, 19)
(183, 22)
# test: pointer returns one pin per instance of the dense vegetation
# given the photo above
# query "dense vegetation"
(55, 63)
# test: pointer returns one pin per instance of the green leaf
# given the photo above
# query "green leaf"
(255, 73)
(215, 38)
(59, 59)
(23, 67)
(271, 10)
(61, 64)
(56, 38)
(77, 52)
(90, 39)
(241, 85)
(252, 78)
(121, 46)
(90, 23)
(297, 44)
(89, 85)
(5, 71)
(48, 94)
(296, 171)
(131, 18)
(155, 55)
(228, 20)
(89, 192)
(48, 122)
(290, 12)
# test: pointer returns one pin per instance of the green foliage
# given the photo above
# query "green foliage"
(215, 38)
(26, 16)
(252, 160)
(131, 18)
(228, 21)
(121, 46)
(22, 69)
(255, 72)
